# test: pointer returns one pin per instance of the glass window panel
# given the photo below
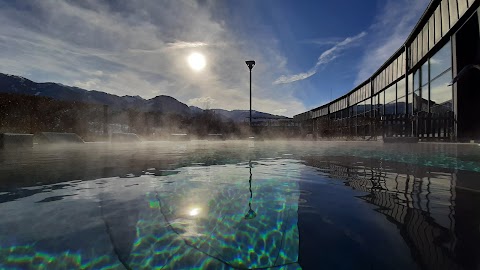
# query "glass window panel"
(379, 82)
(385, 78)
(424, 74)
(395, 67)
(381, 102)
(413, 53)
(390, 108)
(452, 8)
(441, 93)
(431, 32)
(389, 75)
(361, 108)
(462, 7)
(392, 70)
(410, 83)
(398, 67)
(438, 24)
(416, 80)
(410, 103)
(470, 2)
(401, 106)
(401, 91)
(445, 17)
(441, 61)
(425, 40)
(424, 98)
(382, 80)
(420, 46)
(417, 101)
(402, 65)
(390, 94)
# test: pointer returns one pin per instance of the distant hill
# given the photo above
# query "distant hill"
(243, 115)
(164, 104)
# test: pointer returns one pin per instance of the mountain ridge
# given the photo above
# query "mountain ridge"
(161, 103)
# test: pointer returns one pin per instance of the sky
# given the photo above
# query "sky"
(307, 52)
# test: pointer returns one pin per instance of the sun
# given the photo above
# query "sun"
(196, 61)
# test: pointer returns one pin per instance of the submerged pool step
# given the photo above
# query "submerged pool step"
(57, 137)
(400, 139)
(124, 137)
(15, 140)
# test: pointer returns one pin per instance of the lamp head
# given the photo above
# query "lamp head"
(251, 214)
(250, 64)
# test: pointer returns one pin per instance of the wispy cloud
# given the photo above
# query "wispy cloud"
(391, 27)
(325, 58)
(323, 41)
(184, 44)
(296, 77)
(177, 45)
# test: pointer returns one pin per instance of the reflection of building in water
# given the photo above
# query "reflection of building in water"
(422, 203)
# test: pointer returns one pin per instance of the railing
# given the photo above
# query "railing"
(397, 125)
(422, 125)
(433, 125)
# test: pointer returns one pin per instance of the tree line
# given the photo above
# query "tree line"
(33, 114)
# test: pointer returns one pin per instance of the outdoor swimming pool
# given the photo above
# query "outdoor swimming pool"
(241, 205)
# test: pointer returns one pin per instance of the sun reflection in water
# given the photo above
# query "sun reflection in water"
(194, 212)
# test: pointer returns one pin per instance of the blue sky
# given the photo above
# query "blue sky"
(307, 52)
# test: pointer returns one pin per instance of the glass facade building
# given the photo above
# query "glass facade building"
(415, 83)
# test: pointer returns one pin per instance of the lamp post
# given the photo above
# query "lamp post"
(250, 65)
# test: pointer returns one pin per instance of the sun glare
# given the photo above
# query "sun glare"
(196, 61)
(194, 212)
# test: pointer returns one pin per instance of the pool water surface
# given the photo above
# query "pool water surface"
(241, 205)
